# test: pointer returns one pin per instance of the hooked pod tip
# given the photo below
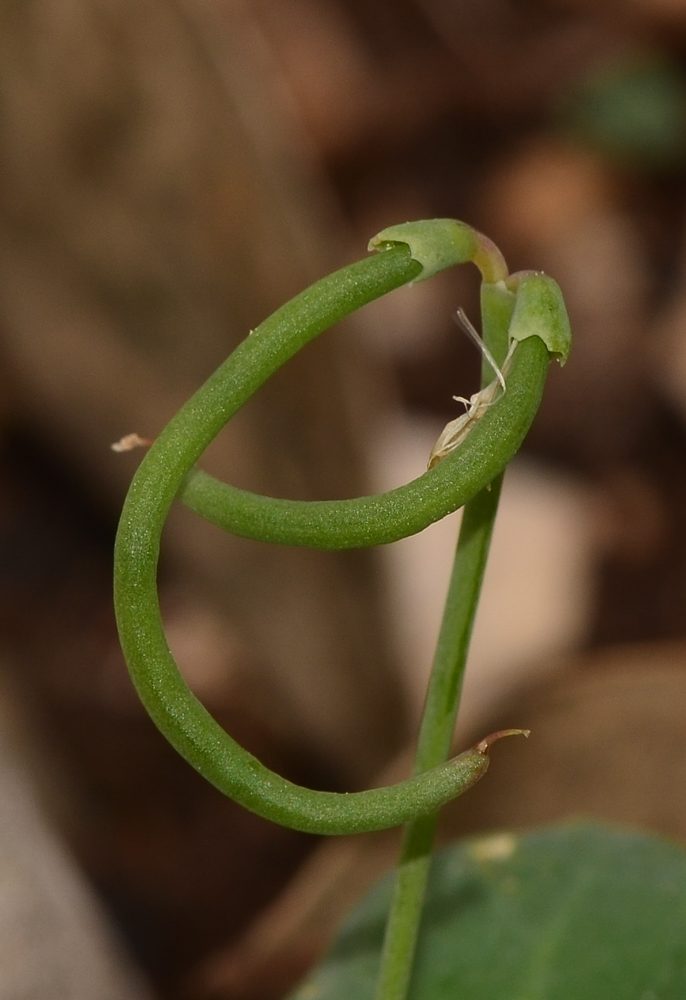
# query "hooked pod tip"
(485, 745)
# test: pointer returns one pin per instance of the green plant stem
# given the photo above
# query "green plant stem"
(435, 738)
(527, 309)
(366, 521)
(443, 695)
(385, 517)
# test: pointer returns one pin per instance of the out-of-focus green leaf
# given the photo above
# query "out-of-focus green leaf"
(633, 109)
(576, 913)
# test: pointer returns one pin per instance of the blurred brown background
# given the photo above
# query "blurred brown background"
(171, 171)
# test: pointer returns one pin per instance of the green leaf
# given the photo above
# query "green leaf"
(580, 912)
(632, 108)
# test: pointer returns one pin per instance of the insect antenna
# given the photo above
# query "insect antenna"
(463, 320)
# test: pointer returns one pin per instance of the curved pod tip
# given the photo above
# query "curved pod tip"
(437, 244)
(485, 744)
(540, 311)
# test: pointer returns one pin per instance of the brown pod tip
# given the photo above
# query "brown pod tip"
(485, 745)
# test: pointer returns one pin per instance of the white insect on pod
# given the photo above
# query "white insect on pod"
(454, 433)
(539, 311)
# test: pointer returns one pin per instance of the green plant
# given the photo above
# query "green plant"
(524, 324)
(581, 912)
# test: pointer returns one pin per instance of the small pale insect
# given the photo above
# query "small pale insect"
(454, 433)
(131, 441)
